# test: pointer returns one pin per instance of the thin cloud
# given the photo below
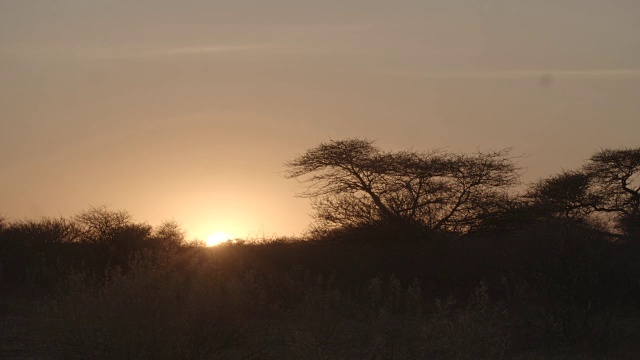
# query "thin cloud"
(181, 51)
(211, 49)
(547, 75)
(133, 52)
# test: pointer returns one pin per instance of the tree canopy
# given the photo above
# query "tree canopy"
(354, 183)
(607, 187)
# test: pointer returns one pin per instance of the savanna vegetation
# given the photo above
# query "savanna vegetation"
(413, 255)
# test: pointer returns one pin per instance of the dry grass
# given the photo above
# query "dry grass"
(201, 312)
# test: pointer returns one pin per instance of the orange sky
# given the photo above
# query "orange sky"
(187, 110)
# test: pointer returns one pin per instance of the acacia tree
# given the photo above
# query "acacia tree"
(99, 224)
(353, 183)
(168, 236)
(43, 231)
(606, 187)
(565, 196)
(616, 175)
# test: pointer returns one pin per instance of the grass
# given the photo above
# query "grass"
(193, 309)
(291, 300)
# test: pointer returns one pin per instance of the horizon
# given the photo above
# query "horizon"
(188, 111)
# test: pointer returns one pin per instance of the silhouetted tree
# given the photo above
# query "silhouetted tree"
(37, 254)
(43, 231)
(616, 175)
(354, 183)
(567, 195)
(114, 235)
(607, 187)
(168, 236)
(32, 252)
(99, 224)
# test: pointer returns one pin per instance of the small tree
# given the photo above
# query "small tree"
(168, 236)
(113, 233)
(33, 253)
(606, 187)
(354, 183)
(616, 174)
(566, 195)
(99, 224)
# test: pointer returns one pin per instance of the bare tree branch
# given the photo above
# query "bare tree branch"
(353, 183)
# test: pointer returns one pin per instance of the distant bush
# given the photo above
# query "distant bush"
(153, 312)
(550, 285)
(36, 255)
(204, 312)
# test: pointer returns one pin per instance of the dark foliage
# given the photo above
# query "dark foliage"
(35, 256)
(552, 273)
(353, 183)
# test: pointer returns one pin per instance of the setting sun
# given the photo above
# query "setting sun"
(218, 238)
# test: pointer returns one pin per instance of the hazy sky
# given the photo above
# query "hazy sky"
(187, 109)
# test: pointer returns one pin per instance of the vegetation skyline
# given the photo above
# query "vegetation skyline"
(410, 179)
(187, 110)
(412, 255)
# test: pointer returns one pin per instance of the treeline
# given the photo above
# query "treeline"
(36, 255)
(562, 253)
(412, 255)
(355, 184)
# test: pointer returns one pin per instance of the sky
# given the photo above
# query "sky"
(186, 110)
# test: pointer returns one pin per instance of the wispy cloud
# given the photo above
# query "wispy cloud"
(211, 49)
(177, 51)
(542, 74)
(133, 52)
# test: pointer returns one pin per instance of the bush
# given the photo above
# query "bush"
(192, 308)
(156, 313)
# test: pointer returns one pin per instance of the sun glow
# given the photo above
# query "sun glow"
(218, 238)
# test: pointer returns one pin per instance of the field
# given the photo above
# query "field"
(329, 298)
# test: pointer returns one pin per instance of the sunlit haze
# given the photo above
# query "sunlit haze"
(217, 238)
(187, 110)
